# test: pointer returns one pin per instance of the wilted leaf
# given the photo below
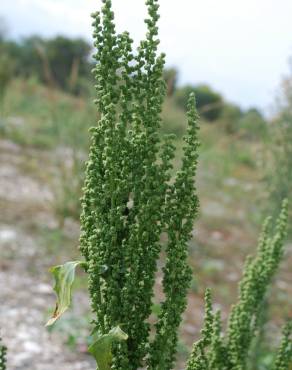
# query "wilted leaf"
(64, 278)
(101, 349)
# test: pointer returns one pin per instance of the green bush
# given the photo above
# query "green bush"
(6, 72)
(209, 102)
(230, 117)
(253, 125)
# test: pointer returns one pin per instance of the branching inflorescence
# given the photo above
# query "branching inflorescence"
(130, 200)
(231, 352)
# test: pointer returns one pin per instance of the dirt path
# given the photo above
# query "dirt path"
(25, 290)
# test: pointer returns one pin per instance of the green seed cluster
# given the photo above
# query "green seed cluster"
(131, 202)
(3, 351)
(181, 206)
(284, 355)
(214, 351)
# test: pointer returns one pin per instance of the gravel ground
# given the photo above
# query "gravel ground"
(25, 293)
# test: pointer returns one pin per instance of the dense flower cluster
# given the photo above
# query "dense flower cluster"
(230, 352)
(131, 202)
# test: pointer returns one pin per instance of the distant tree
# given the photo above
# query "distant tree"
(6, 71)
(209, 102)
(25, 56)
(28, 58)
(170, 76)
(68, 59)
(59, 62)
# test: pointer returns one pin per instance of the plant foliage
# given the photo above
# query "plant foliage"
(101, 348)
(130, 201)
(64, 276)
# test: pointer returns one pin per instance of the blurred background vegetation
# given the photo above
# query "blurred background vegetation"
(46, 109)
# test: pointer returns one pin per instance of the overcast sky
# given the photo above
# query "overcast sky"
(239, 47)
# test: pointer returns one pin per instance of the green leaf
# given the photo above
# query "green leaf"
(64, 278)
(101, 349)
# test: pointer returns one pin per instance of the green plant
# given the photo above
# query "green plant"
(231, 350)
(3, 351)
(67, 188)
(284, 355)
(229, 118)
(130, 202)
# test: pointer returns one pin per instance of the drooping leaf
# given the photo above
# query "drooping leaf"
(64, 278)
(101, 348)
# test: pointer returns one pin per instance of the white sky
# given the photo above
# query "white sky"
(239, 47)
